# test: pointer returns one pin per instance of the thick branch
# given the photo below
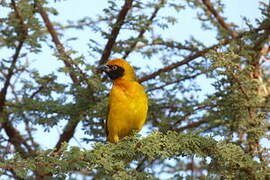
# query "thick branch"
(177, 64)
(68, 133)
(60, 48)
(115, 31)
(143, 30)
(15, 137)
(69, 129)
(198, 54)
(219, 18)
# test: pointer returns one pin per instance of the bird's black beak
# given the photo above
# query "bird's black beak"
(104, 68)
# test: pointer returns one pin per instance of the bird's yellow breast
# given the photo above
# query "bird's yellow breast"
(128, 106)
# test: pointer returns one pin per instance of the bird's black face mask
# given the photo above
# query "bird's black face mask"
(113, 71)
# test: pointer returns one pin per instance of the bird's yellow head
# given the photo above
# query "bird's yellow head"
(119, 69)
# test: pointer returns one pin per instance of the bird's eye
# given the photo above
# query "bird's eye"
(114, 68)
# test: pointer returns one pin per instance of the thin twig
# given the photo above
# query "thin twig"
(192, 125)
(167, 44)
(143, 30)
(115, 31)
(173, 82)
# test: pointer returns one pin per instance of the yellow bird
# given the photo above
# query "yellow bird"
(128, 103)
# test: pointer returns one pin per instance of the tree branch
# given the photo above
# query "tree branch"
(68, 133)
(59, 46)
(192, 125)
(199, 54)
(175, 81)
(22, 34)
(143, 30)
(69, 129)
(177, 64)
(115, 31)
(15, 137)
(219, 18)
(169, 44)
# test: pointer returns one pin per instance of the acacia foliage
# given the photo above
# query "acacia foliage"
(193, 135)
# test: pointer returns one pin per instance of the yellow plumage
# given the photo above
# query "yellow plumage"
(128, 102)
